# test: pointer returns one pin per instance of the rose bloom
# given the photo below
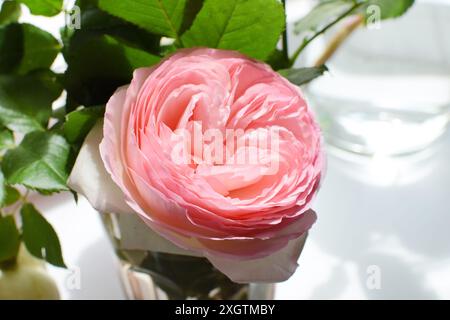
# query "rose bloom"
(248, 219)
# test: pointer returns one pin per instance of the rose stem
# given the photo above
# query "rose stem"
(285, 37)
(306, 42)
(339, 39)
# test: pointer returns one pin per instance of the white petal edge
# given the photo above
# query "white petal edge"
(89, 177)
(277, 267)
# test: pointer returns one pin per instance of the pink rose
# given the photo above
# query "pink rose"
(177, 143)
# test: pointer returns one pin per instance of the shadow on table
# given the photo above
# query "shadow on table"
(394, 217)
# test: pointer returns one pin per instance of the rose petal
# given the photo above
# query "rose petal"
(277, 267)
(89, 177)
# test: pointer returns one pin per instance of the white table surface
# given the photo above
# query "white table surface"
(377, 216)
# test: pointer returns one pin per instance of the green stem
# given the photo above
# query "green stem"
(340, 37)
(285, 37)
(306, 42)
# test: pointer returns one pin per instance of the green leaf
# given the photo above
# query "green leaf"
(9, 238)
(6, 139)
(96, 21)
(328, 10)
(98, 65)
(12, 195)
(40, 49)
(86, 4)
(302, 76)
(252, 27)
(24, 48)
(39, 162)
(80, 122)
(26, 101)
(164, 17)
(321, 15)
(11, 47)
(388, 8)
(10, 12)
(193, 7)
(39, 236)
(46, 8)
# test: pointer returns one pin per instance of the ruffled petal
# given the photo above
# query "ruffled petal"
(89, 177)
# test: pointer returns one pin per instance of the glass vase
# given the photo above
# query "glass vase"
(151, 275)
(388, 89)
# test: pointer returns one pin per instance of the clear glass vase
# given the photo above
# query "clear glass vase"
(388, 90)
(151, 275)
